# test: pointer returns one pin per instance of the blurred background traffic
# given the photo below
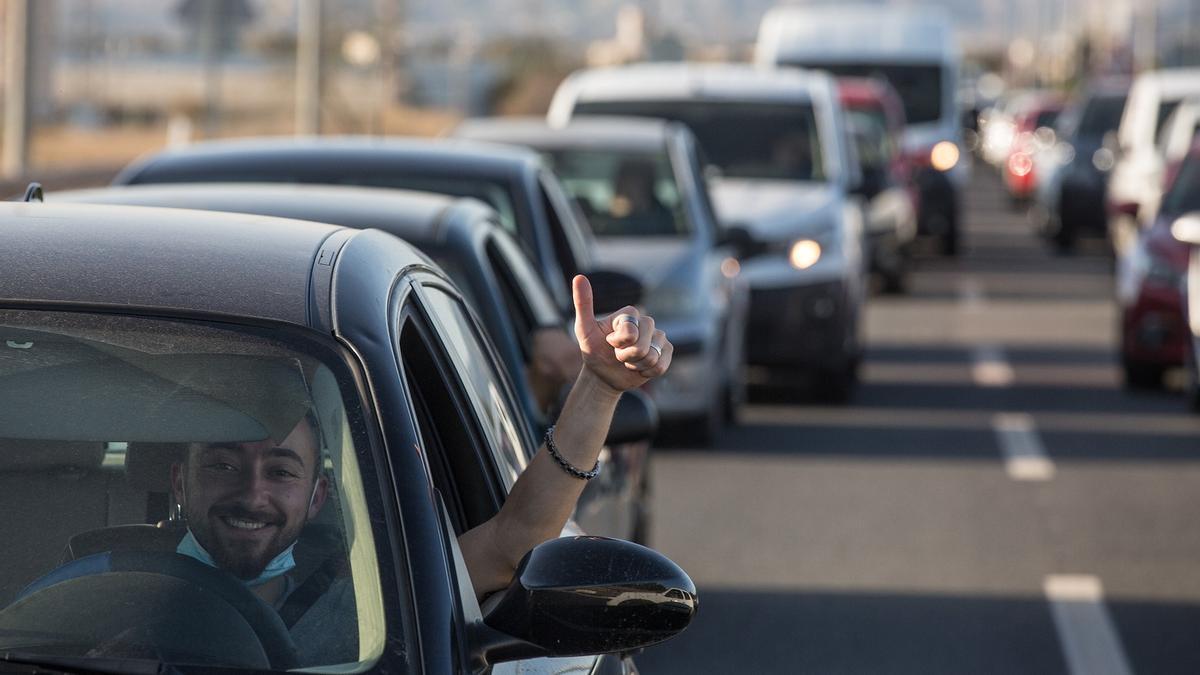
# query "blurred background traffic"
(926, 269)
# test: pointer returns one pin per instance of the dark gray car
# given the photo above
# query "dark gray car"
(496, 277)
(528, 198)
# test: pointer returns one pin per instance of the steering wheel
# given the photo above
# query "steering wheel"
(151, 604)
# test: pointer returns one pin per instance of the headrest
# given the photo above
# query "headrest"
(148, 465)
(29, 455)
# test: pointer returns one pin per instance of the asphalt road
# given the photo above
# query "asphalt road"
(992, 500)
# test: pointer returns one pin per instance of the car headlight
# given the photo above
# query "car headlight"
(944, 156)
(804, 253)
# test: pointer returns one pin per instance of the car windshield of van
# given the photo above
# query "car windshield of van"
(156, 476)
(919, 85)
(741, 139)
(622, 193)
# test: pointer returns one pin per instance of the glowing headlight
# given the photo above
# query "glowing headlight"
(944, 156)
(804, 254)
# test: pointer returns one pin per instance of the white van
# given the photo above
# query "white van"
(782, 168)
(914, 50)
(1136, 183)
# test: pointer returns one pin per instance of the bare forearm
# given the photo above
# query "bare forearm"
(544, 496)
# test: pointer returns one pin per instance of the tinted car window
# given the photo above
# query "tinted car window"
(622, 193)
(99, 415)
(743, 140)
(919, 85)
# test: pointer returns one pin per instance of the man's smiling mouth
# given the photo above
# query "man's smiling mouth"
(243, 523)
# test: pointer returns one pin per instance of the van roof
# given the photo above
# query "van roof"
(855, 34)
(677, 81)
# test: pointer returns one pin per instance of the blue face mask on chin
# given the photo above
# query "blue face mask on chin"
(279, 565)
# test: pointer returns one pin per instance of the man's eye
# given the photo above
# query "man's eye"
(221, 466)
(284, 473)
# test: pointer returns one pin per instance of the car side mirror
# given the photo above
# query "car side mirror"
(635, 419)
(1186, 228)
(613, 290)
(738, 237)
(588, 595)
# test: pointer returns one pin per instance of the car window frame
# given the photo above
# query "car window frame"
(504, 469)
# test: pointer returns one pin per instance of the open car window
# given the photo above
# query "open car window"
(101, 418)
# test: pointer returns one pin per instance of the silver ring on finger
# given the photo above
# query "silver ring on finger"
(656, 348)
(625, 318)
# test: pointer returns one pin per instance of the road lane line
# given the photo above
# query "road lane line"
(990, 368)
(1086, 632)
(1025, 458)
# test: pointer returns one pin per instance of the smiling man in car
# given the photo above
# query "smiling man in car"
(246, 504)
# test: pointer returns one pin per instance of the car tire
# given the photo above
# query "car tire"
(948, 244)
(1142, 376)
(836, 385)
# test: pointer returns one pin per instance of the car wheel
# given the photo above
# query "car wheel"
(735, 396)
(836, 385)
(1143, 375)
(948, 227)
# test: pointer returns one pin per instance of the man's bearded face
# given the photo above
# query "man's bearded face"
(247, 502)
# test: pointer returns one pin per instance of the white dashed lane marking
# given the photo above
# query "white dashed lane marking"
(990, 368)
(1089, 640)
(1025, 458)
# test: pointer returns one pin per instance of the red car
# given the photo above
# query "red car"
(1033, 133)
(1150, 286)
(875, 115)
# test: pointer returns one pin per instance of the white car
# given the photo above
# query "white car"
(1136, 182)
(640, 184)
(782, 175)
(916, 51)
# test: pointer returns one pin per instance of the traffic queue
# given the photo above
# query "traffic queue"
(405, 322)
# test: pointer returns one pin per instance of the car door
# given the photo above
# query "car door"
(472, 442)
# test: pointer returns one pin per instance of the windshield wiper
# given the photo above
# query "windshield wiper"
(80, 664)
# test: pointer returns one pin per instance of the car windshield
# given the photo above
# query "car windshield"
(154, 474)
(1184, 195)
(919, 85)
(622, 193)
(743, 140)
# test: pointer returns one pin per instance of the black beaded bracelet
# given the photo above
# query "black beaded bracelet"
(567, 466)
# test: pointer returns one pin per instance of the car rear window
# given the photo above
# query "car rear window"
(153, 472)
(741, 139)
(622, 193)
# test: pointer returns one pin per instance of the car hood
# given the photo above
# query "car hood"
(774, 209)
(651, 260)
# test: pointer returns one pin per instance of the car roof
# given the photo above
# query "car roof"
(685, 81)
(449, 156)
(415, 216)
(615, 132)
(172, 260)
